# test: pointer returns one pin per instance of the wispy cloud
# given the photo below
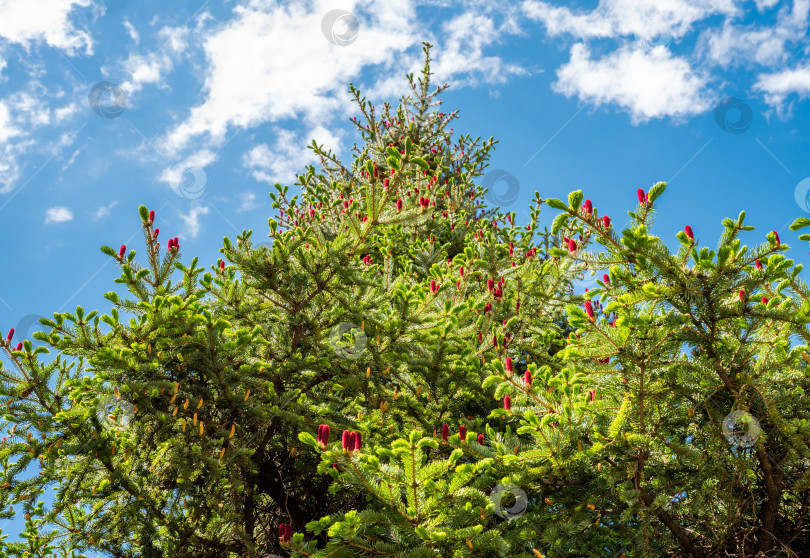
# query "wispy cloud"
(192, 220)
(779, 85)
(7, 128)
(133, 33)
(288, 156)
(104, 210)
(58, 215)
(145, 70)
(733, 44)
(248, 202)
(620, 18)
(199, 160)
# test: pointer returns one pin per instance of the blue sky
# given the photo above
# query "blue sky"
(217, 100)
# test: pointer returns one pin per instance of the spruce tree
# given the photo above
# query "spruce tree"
(175, 433)
(399, 373)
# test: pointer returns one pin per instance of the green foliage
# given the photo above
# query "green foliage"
(189, 431)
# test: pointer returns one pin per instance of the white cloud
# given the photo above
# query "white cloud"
(192, 220)
(104, 210)
(30, 110)
(24, 21)
(460, 51)
(777, 86)
(133, 34)
(63, 113)
(9, 166)
(9, 153)
(58, 215)
(199, 160)
(648, 85)
(247, 85)
(72, 158)
(146, 69)
(289, 156)
(248, 202)
(7, 128)
(176, 38)
(615, 18)
(763, 44)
